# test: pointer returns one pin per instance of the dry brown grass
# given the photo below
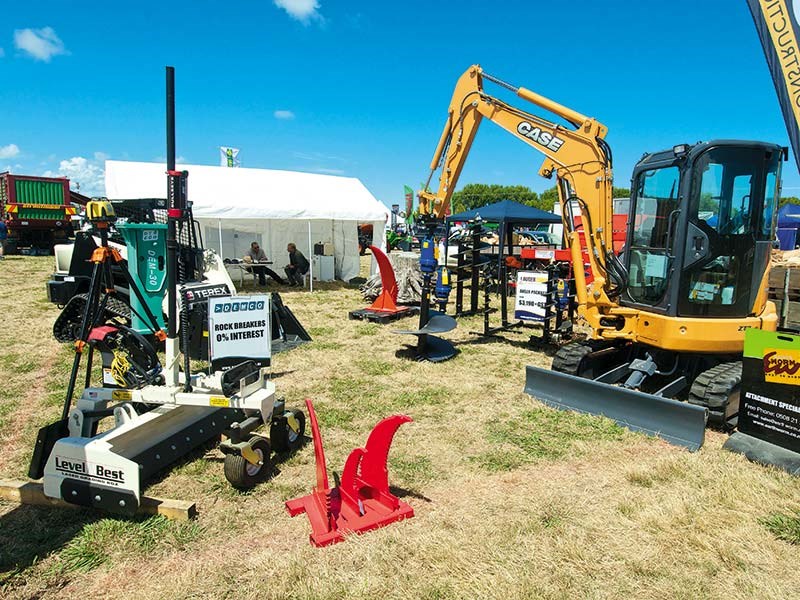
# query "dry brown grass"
(512, 500)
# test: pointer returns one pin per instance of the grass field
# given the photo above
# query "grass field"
(512, 499)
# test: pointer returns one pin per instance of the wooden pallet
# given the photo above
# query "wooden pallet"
(365, 314)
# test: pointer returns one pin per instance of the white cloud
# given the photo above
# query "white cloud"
(42, 44)
(9, 151)
(284, 115)
(84, 174)
(330, 171)
(301, 10)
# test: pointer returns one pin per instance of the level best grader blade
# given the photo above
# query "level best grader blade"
(677, 422)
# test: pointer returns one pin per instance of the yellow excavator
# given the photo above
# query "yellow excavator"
(668, 314)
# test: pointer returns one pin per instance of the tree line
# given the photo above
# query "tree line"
(475, 195)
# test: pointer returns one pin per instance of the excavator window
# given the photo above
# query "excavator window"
(655, 205)
(730, 211)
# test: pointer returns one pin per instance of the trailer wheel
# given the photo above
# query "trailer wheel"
(283, 436)
(718, 390)
(243, 475)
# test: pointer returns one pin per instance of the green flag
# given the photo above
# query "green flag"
(409, 194)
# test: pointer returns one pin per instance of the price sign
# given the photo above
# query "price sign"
(239, 327)
(532, 296)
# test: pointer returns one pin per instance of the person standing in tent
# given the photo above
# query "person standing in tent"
(297, 267)
(256, 255)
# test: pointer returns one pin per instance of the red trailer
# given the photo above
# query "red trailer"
(37, 211)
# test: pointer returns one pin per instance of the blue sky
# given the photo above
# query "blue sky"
(361, 88)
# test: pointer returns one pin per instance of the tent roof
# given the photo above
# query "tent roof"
(789, 215)
(236, 193)
(507, 211)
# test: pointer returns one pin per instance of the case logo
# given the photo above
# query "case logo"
(543, 138)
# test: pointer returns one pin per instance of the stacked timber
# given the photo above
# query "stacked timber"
(407, 274)
(784, 285)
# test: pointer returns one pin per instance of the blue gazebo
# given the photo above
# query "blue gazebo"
(788, 224)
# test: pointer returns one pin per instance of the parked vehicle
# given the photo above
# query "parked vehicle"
(37, 211)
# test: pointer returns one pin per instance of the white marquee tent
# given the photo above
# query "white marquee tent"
(236, 206)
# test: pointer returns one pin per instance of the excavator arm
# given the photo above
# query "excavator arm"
(575, 153)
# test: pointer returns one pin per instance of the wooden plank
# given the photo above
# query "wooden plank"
(777, 293)
(794, 311)
(777, 273)
(28, 492)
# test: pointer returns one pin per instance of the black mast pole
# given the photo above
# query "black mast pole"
(174, 211)
(176, 200)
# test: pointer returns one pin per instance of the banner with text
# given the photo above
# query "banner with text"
(770, 393)
(777, 25)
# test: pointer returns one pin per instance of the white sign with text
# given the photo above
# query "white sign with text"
(238, 326)
(531, 299)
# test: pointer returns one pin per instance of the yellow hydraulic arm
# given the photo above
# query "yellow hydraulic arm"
(576, 154)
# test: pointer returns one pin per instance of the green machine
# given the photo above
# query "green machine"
(147, 257)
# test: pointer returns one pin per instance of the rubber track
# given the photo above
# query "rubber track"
(69, 321)
(712, 388)
(568, 358)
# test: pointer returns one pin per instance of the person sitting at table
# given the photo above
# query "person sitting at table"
(256, 255)
(297, 267)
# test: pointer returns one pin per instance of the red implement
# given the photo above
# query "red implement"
(362, 501)
(386, 302)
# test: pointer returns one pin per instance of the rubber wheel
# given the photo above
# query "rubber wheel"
(241, 474)
(718, 390)
(570, 359)
(283, 437)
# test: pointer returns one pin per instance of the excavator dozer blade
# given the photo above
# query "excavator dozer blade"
(677, 422)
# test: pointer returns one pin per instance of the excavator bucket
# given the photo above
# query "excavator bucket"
(677, 422)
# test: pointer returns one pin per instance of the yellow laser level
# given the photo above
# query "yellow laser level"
(100, 210)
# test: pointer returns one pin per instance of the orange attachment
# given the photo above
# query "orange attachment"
(387, 300)
(103, 253)
(513, 262)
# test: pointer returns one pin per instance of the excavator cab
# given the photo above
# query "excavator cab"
(700, 229)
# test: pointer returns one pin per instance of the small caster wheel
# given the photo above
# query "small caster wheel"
(286, 431)
(244, 475)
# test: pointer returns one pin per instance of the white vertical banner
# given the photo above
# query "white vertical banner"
(229, 157)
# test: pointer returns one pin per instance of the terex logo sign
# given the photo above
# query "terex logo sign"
(543, 138)
(82, 470)
(244, 306)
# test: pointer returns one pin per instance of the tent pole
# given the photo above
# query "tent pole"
(219, 230)
(310, 259)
